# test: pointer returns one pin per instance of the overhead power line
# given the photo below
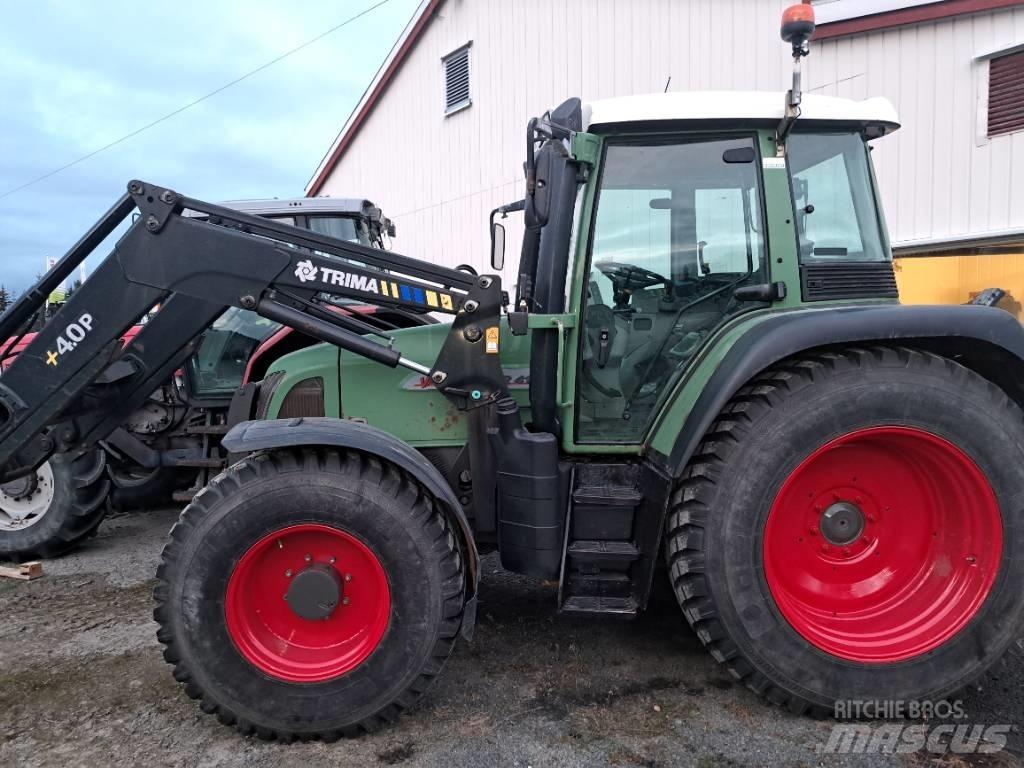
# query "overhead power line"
(199, 100)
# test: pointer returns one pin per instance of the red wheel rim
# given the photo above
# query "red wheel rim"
(919, 568)
(261, 593)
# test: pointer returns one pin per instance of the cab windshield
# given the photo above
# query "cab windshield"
(342, 228)
(836, 209)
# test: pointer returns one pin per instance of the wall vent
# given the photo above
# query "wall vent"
(456, 80)
(1006, 94)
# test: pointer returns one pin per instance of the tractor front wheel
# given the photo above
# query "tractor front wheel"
(309, 594)
(851, 528)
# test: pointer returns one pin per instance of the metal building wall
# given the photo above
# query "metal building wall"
(940, 176)
(438, 176)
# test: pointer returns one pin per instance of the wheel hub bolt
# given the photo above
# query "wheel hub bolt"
(315, 592)
(842, 523)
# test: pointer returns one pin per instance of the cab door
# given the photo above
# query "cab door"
(678, 226)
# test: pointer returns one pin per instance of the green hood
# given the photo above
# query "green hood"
(396, 400)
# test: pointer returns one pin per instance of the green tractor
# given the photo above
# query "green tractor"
(705, 363)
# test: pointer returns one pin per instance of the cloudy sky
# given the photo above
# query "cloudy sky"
(75, 76)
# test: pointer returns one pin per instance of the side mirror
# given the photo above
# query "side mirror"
(497, 247)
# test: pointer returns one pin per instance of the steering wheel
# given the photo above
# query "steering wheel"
(627, 278)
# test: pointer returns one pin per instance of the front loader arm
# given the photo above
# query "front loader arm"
(75, 383)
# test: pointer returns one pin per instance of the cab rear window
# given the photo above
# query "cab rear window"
(836, 209)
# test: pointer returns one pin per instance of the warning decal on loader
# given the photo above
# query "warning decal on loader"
(67, 341)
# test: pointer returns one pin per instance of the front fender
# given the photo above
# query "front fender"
(250, 436)
(985, 339)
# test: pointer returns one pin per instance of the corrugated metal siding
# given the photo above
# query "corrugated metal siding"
(440, 176)
(940, 175)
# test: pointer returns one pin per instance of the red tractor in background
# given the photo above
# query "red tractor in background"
(170, 447)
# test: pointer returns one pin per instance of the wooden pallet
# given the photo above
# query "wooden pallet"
(23, 572)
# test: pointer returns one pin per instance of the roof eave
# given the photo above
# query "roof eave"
(392, 64)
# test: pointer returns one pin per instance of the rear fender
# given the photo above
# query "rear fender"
(987, 340)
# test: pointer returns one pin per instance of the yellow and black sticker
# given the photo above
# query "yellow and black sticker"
(492, 340)
(66, 342)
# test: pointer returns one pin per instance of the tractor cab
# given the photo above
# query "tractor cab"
(685, 214)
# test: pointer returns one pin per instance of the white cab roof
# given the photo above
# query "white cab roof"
(737, 106)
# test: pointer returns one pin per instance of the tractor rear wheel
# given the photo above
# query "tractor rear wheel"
(851, 528)
(309, 594)
(55, 508)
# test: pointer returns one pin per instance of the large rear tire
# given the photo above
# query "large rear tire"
(53, 510)
(309, 594)
(851, 528)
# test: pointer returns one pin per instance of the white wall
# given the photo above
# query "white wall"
(940, 176)
(438, 176)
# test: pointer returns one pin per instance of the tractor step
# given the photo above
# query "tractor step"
(607, 495)
(604, 511)
(579, 605)
(607, 584)
(601, 553)
(589, 555)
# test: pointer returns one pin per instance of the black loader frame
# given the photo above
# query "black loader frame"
(75, 383)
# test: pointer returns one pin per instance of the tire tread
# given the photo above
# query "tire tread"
(384, 478)
(692, 501)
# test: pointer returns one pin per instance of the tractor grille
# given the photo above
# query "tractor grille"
(824, 282)
(305, 399)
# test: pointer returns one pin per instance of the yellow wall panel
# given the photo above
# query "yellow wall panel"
(953, 278)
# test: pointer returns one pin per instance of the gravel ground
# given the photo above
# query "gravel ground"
(82, 682)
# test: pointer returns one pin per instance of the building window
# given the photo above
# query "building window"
(1006, 94)
(456, 80)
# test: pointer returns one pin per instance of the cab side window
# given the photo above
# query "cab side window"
(677, 228)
